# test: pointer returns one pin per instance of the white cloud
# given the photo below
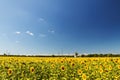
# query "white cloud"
(51, 31)
(29, 33)
(17, 32)
(42, 35)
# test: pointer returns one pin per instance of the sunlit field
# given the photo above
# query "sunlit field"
(60, 68)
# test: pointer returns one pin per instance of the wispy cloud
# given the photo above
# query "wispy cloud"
(29, 33)
(42, 20)
(17, 32)
(42, 35)
(51, 31)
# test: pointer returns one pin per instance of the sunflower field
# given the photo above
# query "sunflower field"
(59, 68)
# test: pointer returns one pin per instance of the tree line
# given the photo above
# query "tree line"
(76, 54)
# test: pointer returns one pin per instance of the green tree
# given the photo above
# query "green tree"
(76, 54)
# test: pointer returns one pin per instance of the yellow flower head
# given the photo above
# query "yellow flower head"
(79, 72)
(86, 67)
(110, 67)
(62, 68)
(52, 65)
(84, 77)
(62, 61)
(101, 70)
(32, 69)
(118, 66)
(9, 71)
(73, 64)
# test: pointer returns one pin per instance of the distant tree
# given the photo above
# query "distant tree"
(82, 55)
(100, 55)
(5, 54)
(109, 55)
(95, 55)
(76, 54)
(53, 55)
(90, 55)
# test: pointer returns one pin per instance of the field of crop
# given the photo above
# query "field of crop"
(35, 68)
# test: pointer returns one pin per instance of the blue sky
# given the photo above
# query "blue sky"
(59, 26)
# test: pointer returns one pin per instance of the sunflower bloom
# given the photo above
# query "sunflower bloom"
(110, 67)
(86, 68)
(62, 68)
(118, 66)
(32, 69)
(72, 64)
(79, 72)
(101, 71)
(9, 71)
(84, 77)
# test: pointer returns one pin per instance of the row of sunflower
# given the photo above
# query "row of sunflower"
(39, 68)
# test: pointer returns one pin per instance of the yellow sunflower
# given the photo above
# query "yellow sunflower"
(79, 72)
(110, 67)
(101, 71)
(118, 66)
(32, 69)
(84, 77)
(62, 68)
(9, 71)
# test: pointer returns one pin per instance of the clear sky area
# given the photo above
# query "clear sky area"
(59, 26)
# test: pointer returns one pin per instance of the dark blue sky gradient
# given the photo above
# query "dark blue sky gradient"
(96, 20)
